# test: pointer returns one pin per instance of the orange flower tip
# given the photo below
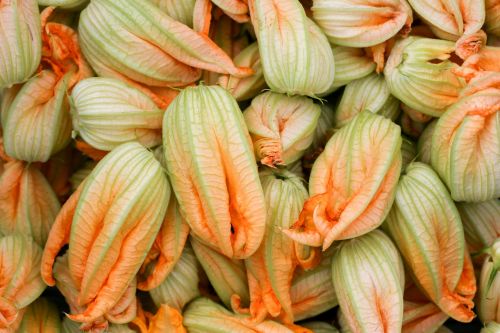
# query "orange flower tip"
(243, 72)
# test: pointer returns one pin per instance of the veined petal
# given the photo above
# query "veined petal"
(20, 37)
(281, 127)
(361, 23)
(41, 316)
(425, 143)
(489, 286)
(426, 227)
(213, 171)
(351, 63)
(180, 11)
(492, 20)
(352, 183)
(107, 112)
(368, 276)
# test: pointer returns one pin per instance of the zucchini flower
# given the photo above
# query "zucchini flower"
(492, 19)
(295, 54)
(466, 144)
(227, 276)
(408, 152)
(110, 224)
(181, 11)
(425, 143)
(481, 223)
(369, 278)
(479, 64)
(166, 250)
(41, 316)
(20, 37)
(40, 108)
(282, 127)
(205, 316)
(270, 269)
(352, 182)
(108, 112)
(455, 20)
(181, 285)
(362, 23)
(351, 63)
(420, 317)
(416, 116)
(322, 133)
(420, 74)
(148, 48)
(209, 157)
(489, 286)
(320, 327)
(312, 290)
(426, 227)
(166, 319)
(28, 205)
(122, 312)
(21, 282)
(369, 93)
(69, 326)
(245, 88)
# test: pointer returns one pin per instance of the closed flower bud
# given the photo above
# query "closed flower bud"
(419, 73)
(368, 276)
(20, 37)
(41, 316)
(312, 291)
(424, 144)
(466, 145)
(212, 168)
(270, 269)
(481, 223)
(281, 127)
(294, 52)
(148, 47)
(351, 63)
(227, 276)
(181, 11)
(352, 182)
(369, 93)
(453, 19)
(205, 316)
(21, 282)
(108, 112)
(420, 317)
(110, 224)
(362, 23)
(245, 88)
(489, 286)
(28, 204)
(422, 218)
(181, 285)
(69, 326)
(166, 319)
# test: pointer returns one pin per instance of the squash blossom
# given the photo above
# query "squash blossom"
(28, 205)
(369, 93)
(205, 316)
(281, 127)
(21, 283)
(110, 224)
(368, 276)
(419, 317)
(167, 248)
(420, 74)
(69, 326)
(39, 108)
(362, 23)
(480, 64)
(270, 269)
(107, 112)
(148, 48)
(181, 285)
(295, 54)
(166, 319)
(424, 143)
(41, 316)
(426, 227)
(455, 20)
(492, 19)
(352, 183)
(351, 63)
(20, 37)
(227, 276)
(466, 142)
(489, 286)
(312, 291)
(209, 158)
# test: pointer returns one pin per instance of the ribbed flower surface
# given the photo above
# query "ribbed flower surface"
(41, 316)
(212, 168)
